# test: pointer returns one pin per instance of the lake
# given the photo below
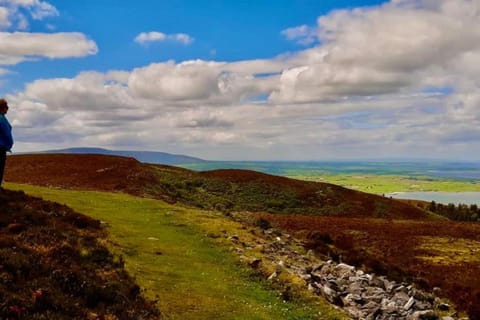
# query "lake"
(439, 197)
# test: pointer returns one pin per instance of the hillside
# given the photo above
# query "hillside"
(142, 156)
(53, 265)
(375, 233)
(225, 190)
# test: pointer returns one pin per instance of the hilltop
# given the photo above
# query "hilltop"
(225, 190)
(53, 265)
(142, 156)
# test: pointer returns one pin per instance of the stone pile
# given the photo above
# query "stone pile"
(361, 295)
(367, 296)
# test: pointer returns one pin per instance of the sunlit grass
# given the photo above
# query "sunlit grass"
(390, 183)
(449, 251)
(166, 248)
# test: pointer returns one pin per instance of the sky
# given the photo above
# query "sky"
(245, 80)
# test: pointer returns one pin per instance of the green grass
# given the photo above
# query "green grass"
(392, 183)
(166, 249)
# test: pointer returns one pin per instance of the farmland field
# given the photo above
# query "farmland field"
(372, 177)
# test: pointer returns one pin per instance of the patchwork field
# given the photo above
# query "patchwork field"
(372, 177)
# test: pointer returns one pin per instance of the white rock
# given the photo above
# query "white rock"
(409, 303)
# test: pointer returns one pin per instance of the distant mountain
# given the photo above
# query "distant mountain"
(142, 156)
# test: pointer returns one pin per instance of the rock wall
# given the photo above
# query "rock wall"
(360, 295)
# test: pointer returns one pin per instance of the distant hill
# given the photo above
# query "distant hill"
(142, 156)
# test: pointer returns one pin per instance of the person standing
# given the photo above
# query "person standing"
(6, 139)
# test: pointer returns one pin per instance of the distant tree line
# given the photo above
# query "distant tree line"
(461, 212)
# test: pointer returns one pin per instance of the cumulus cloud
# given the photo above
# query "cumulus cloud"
(154, 36)
(22, 45)
(382, 50)
(13, 12)
(397, 79)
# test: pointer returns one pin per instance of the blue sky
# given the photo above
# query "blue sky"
(222, 30)
(246, 80)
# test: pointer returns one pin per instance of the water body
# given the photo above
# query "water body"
(440, 197)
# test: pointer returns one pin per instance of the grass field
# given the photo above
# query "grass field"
(374, 177)
(166, 248)
(380, 184)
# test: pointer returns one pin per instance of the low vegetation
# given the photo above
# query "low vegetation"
(431, 254)
(179, 257)
(223, 190)
(54, 265)
(384, 235)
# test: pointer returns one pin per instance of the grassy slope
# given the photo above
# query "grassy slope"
(241, 190)
(165, 247)
(224, 190)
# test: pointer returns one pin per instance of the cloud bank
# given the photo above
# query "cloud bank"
(398, 79)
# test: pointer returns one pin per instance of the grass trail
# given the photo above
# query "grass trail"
(166, 249)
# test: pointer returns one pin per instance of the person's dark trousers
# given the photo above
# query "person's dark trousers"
(3, 158)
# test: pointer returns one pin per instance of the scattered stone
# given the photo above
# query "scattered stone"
(272, 276)
(423, 315)
(363, 296)
(409, 304)
(255, 263)
(443, 307)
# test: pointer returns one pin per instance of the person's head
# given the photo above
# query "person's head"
(3, 106)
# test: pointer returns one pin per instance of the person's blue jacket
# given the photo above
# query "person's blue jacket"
(6, 139)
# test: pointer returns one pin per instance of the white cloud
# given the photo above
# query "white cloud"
(145, 37)
(303, 34)
(18, 46)
(382, 50)
(392, 80)
(155, 36)
(183, 38)
(4, 19)
(15, 11)
(4, 71)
